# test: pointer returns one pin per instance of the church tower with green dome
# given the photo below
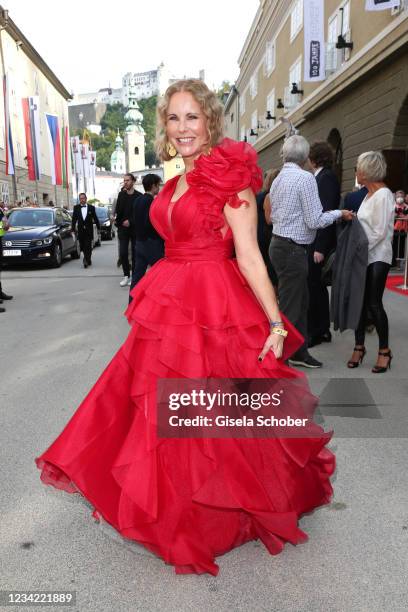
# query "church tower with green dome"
(118, 157)
(134, 136)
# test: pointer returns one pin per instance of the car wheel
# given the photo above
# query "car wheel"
(57, 256)
(76, 253)
(110, 235)
(98, 243)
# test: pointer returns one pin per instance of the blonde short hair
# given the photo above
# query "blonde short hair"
(372, 166)
(207, 99)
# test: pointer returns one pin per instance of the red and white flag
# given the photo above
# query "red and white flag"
(31, 115)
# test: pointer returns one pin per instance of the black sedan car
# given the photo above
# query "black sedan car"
(39, 235)
(105, 219)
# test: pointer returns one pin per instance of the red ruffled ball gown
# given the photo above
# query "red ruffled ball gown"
(194, 316)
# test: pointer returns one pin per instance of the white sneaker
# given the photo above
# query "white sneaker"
(129, 282)
(124, 281)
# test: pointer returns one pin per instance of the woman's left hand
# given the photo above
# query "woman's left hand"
(273, 343)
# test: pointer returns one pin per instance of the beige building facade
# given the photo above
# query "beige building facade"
(231, 114)
(29, 75)
(362, 104)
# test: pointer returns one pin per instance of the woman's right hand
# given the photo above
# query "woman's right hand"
(273, 343)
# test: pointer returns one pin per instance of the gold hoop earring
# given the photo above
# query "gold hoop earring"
(209, 146)
(171, 150)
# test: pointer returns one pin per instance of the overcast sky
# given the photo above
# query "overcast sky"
(89, 45)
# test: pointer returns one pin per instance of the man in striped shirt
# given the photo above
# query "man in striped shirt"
(296, 215)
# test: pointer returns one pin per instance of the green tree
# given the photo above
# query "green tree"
(114, 119)
(223, 89)
(148, 109)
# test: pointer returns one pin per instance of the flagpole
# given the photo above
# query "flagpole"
(3, 25)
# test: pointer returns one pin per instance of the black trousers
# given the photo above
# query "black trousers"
(318, 315)
(377, 273)
(290, 262)
(145, 253)
(85, 243)
(125, 237)
(264, 248)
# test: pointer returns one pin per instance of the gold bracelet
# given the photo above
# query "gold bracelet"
(279, 331)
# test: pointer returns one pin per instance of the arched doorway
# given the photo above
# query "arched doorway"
(397, 156)
(334, 140)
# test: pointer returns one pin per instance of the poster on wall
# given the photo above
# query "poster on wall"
(381, 5)
(76, 155)
(314, 64)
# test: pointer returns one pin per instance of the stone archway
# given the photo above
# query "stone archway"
(334, 140)
(397, 156)
(400, 139)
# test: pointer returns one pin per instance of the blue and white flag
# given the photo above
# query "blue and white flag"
(55, 148)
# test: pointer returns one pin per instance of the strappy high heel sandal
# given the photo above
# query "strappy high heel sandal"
(381, 369)
(355, 364)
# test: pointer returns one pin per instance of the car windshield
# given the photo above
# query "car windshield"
(101, 213)
(32, 218)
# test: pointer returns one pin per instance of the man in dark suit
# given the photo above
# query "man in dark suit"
(321, 159)
(352, 201)
(123, 219)
(148, 246)
(83, 218)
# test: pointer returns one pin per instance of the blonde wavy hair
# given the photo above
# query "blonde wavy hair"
(211, 107)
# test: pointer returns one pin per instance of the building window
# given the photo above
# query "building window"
(295, 72)
(253, 85)
(346, 18)
(136, 150)
(34, 197)
(254, 120)
(232, 117)
(296, 19)
(243, 133)
(5, 194)
(339, 23)
(242, 103)
(332, 30)
(295, 76)
(19, 156)
(270, 57)
(270, 107)
(36, 85)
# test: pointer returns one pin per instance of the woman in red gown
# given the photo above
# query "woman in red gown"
(200, 312)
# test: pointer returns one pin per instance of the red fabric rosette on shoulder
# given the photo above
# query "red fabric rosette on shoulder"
(217, 178)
